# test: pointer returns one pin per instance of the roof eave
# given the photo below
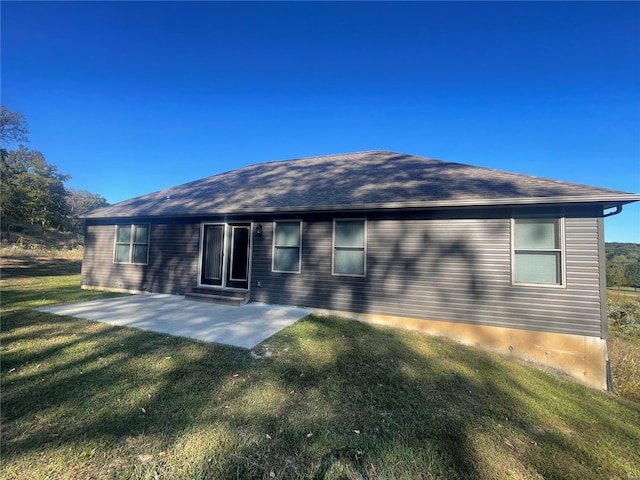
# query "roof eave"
(606, 201)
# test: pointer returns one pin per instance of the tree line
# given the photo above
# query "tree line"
(32, 191)
(623, 264)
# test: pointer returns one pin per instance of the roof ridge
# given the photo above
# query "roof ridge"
(260, 164)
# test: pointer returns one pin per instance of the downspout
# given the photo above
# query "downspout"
(603, 291)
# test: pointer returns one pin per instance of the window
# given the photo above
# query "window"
(537, 251)
(132, 244)
(349, 247)
(287, 244)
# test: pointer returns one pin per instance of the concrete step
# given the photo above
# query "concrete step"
(225, 298)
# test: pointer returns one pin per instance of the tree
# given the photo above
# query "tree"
(32, 190)
(633, 274)
(81, 201)
(623, 264)
(13, 128)
(11, 193)
(616, 274)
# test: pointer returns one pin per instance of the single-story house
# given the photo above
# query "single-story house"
(510, 262)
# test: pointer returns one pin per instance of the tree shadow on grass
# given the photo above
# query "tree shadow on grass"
(337, 399)
(381, 405)
(28, 267)
(87, 374)
(382, 395)
(88, 384)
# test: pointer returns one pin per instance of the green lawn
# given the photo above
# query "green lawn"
(336, 399)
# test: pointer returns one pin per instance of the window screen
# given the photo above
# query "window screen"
(132, 244)
(287, 242)
(537, 251)
(349, 251)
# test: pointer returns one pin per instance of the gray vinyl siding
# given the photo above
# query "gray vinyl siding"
(422, 266)
(454, 270)
(172, 266)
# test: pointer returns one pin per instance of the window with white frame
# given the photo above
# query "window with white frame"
(132, 244)
(349, 247)
(538, 254)
(287, 246)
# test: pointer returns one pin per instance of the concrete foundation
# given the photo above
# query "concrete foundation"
(581, 357)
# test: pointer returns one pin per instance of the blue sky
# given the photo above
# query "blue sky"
(133, 97)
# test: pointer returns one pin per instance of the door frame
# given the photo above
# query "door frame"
(201, 256)
(227, 246)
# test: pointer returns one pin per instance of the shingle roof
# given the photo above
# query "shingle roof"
(363, 180)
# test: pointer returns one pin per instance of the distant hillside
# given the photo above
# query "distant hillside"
(623, 264)
(33, 237)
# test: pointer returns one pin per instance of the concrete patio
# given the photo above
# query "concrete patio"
(244, 326)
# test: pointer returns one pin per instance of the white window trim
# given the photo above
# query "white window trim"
(273, 248)
(131, 243)
(562, 250)
(333, 248)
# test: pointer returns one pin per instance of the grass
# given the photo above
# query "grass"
(627, 294)
(336, 399)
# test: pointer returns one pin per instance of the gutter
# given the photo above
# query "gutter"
(616, 212)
